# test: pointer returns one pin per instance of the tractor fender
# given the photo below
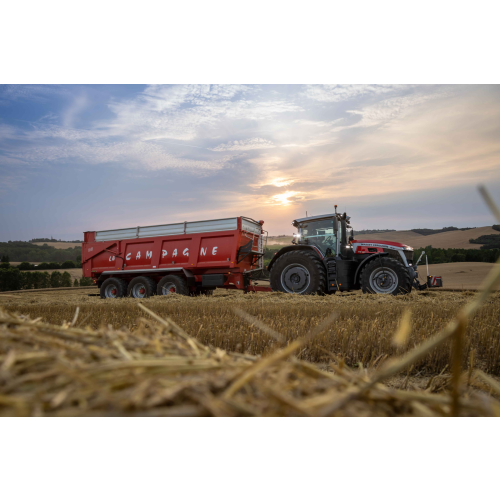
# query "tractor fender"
(365, 261)
(291, 248)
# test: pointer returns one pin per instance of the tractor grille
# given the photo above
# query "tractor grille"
(409, 256)
(396, 255)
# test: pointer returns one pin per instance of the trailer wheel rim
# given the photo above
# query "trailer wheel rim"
(384, 280)
(295, 278)
(111, 291)
(139, 291)
(168, 288)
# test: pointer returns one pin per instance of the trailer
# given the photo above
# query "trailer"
(186, 258)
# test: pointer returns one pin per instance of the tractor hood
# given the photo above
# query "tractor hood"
(382, 242)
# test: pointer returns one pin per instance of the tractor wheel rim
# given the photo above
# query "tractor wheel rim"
(111, 292)
(168, 288)
(139, 291)
(384, 280)
(295, 278)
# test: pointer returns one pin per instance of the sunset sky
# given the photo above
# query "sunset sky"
(76, 158)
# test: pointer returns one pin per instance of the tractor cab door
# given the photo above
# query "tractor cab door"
(322, 234)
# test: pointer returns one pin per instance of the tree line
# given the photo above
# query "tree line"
(13, 279)
(20, 251)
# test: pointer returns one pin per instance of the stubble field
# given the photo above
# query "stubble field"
(362, 334)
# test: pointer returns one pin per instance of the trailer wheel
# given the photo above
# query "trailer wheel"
(113, 288)
(141, 287)
(172, 284)
(385, 276)
(298, 272)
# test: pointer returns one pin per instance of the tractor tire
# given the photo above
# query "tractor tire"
(300, 272)
(385, 276)
(113, 288)
(172, 284)
(142, 287)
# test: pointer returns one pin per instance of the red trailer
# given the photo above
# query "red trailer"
(190, 257)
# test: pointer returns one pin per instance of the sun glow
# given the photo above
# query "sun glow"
(283, 198)
(281, 182)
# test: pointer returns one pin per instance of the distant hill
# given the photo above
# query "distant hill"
(446, 239)
(439, 238)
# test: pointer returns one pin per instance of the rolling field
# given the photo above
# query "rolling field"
(59, 244)
(450, 239)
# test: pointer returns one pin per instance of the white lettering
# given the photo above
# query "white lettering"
(111, 258)
(164, 253)
(90, 249)
(149, 254)
(214, 250)
(138, 256)
(128, 256)
(203, 251)
(186, 252)
(175, 253)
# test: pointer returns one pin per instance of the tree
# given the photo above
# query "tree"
(4, 265)
(25, 266)
(68, 264)
(86, 282)
(5, 258)
(75, 283)
(45, 280)
(54, 265)
(55, 279)
(10, 279)
(66, 279)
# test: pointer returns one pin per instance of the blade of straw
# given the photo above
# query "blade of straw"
(275, 357)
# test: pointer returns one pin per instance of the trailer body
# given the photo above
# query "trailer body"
(208, 254)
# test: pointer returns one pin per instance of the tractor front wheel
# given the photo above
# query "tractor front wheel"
(298, 272)
(385, 276)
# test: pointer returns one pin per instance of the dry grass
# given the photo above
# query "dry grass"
(361, 334)
(159, 370)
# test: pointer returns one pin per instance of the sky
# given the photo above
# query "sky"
(75, 158)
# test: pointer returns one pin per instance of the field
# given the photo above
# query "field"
(450, 239)
(59, 244)
(362, 334)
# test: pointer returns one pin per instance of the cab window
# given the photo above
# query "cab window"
(321, 234)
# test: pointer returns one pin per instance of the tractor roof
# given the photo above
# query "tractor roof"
(315, 217)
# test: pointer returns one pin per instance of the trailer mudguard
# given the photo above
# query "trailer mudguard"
(364, 261)
(291, 248)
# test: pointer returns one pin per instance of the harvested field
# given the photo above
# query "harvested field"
(361, 334)
(158, 370)
(460, 275)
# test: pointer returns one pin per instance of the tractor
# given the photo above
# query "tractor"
(323, 260)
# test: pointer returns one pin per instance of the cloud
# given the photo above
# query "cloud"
(338, 93)
(244, 145)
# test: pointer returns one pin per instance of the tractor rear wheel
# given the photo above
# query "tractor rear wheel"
(386, 276)
(113, 288)
(298, 272)
(142, 287)
(172, 284)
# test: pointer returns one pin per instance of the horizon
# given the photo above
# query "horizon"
(75, 158)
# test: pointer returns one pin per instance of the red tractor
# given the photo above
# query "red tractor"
(322, 259)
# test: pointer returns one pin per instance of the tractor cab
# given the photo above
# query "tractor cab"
(327, 233)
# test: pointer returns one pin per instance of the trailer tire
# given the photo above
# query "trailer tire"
(300, 272)
(385, 276)
(113, 288)
(172, 284)
(142, 287)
